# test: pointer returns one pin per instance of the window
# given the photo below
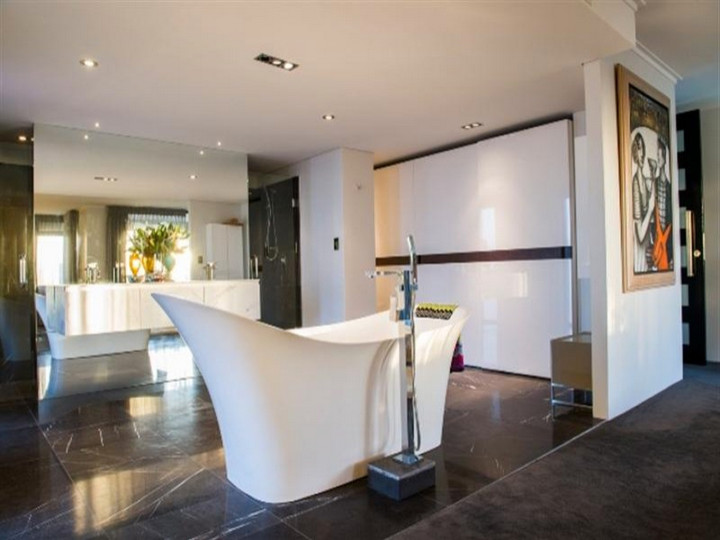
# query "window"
(141, 218)
(50, 250)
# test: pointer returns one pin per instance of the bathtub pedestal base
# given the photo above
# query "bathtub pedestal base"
(398, 481)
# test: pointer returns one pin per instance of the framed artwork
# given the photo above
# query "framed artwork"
(648, 254)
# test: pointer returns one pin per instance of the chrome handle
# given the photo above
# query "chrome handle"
(254, 268)
(22, 271)
(689, 241)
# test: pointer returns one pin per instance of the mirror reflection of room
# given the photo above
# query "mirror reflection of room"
(111, 228)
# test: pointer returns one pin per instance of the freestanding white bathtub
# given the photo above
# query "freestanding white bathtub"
(305, 410)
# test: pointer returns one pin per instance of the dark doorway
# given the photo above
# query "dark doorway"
(275, 251)
(17, 284)
(691, 237)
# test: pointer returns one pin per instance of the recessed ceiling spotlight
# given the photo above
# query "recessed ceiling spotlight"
(219, 143)
(202, 152)
(89, 63)
(472, 125)
(86, 137)
(275, 61)
(22, 138)
(328, 117)
(193, 177)
(97, 124)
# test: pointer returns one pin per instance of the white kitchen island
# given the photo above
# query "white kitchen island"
(106, 318)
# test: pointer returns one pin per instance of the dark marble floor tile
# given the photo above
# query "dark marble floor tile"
(23, 445)
(277, 532)
(231, 512)
(133, 531)
(148, 462)
(363, 514)
(14, 416)
(287, 510)
(141, 492)
(499, 451)
(80, 411)
(181, 524)
(64, 441)
(213, 461)
(453, 481)
(91, 458)
(59, 518)
(32, 492)
(195, 431)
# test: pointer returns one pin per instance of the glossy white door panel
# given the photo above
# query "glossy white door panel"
(446, 202)
(524, 189)
(393, 209)
(515, 309)
(510, 192)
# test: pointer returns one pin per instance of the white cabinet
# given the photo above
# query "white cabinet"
(224, 247)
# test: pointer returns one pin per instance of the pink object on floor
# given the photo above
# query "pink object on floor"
(458, 360)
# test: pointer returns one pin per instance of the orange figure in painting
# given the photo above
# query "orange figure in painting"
(660, 254)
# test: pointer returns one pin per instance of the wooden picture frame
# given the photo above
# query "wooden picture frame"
(649, 257)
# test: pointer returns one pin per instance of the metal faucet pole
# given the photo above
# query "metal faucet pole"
(407, 375)
(405, 474)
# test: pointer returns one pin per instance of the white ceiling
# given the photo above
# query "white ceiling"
(401, 77)
(686, 36)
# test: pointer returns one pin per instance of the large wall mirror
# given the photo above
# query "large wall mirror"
(92, 191)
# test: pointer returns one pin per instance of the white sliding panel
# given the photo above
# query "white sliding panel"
(517, 307)
(446, 202)
(523, 183)
(394, 209)
(508, 193)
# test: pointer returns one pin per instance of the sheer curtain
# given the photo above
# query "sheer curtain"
(117, 226)
(70, 232)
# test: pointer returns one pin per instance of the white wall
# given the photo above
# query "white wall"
(637, 345)
(359, 232)
(510, 192)
(710, 135)
(200, 213)
(582, 229)
(334, 287)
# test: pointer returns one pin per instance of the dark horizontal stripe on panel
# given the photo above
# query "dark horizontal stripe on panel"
(528, 254)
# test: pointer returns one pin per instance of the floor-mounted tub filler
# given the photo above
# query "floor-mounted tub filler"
(303, 411)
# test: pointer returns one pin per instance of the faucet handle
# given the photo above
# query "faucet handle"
(372, 274)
